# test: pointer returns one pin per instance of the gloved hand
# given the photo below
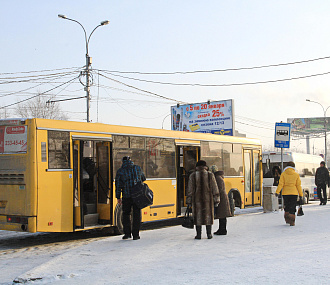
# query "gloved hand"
(216, 205)
(276, 194)
(300, 201)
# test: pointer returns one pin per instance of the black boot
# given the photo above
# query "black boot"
(223, 226)
(198, 232)
(208, 231)
(218, 231)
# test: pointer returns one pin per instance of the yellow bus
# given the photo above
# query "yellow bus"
(58, 176)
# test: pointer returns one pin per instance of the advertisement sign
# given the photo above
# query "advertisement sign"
(282, 135)
(13, 139)
(306, 126)
(209, 117)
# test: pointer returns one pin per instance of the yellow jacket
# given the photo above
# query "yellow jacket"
(290, 182)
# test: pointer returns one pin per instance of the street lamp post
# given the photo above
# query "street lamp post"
(88, 59)
(325, 127)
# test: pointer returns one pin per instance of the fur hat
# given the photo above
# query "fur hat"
(214, 168)
(201, 163)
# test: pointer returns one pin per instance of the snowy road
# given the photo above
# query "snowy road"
(259, 249)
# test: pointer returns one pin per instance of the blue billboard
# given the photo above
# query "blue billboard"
(209, 117)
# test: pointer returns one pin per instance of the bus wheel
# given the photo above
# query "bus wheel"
(231, 203)
(119, 219)
(119, 229)
(306, 198)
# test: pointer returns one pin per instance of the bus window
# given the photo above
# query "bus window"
(232, 158)
(211, 152)
(156, 156)
(133, 147)
(160, 158)
(58, 150)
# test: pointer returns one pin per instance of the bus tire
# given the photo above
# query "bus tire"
(119, 219)
(119, 227)
(306, 198)
(231, 203)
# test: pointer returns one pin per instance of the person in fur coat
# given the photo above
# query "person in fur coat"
(203, 195)
(223, 210)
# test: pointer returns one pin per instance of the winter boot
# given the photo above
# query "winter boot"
(286, 217)
(223, 226)
(292, 218)
(198, 232)
(208, 231)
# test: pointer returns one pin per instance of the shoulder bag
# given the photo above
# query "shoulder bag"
(141, 194)
(188, 220)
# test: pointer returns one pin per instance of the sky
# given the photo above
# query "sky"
(258, 249)
(168, 37)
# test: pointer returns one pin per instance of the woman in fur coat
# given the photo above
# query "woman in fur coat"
(223, 210)
(203, 195)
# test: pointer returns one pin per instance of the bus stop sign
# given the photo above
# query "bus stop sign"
(282, 135)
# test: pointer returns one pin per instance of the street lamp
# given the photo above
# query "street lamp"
(88, 59)
(325, 127)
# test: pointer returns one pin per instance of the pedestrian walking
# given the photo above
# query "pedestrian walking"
(276, 174)
(127, 175)
(290, 184)
(321, 182)
(223, 209)
(203, 196)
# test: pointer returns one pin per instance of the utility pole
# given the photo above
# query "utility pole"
(325, 128)
(88, 60)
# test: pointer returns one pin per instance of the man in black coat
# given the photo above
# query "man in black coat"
(321, 180)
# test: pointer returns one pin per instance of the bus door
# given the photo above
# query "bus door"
(104, 185)
(92, 187)
(252, 182)
(187, 156)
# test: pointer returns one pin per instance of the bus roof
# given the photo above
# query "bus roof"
(105, 129)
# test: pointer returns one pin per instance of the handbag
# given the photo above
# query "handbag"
(142, 195)
(188, 220)
(300, 211)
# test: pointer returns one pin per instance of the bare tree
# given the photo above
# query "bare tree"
(40, 108)
(4, 113)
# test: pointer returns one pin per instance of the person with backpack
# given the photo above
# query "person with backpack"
(126, 177)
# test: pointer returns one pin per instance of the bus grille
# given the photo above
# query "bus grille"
(11, 178)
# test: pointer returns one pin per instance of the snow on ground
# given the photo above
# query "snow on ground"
(259, 249)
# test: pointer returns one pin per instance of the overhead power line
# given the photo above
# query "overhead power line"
(219, 85)
(16, 103)
(223, 70)
(157, 95)
(39, 71)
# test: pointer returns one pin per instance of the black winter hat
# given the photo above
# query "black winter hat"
(201, 163)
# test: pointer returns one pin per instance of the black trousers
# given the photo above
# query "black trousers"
(319, 192)
(129, 228)
(290, 202)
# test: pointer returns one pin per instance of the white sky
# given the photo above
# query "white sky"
(259, 249)
(169, 36)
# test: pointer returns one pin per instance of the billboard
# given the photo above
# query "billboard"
(209, 117)
(307, 126)
(13, 139)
